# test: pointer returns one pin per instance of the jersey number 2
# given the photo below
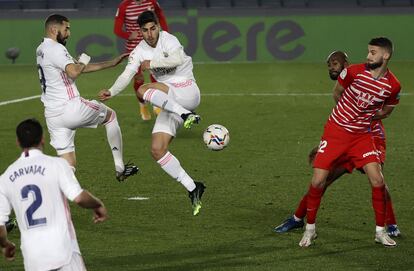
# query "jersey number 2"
(37, 201)
(42, 78)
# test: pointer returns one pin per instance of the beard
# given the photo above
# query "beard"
(61, 39)
(375, 65)
(333, 75)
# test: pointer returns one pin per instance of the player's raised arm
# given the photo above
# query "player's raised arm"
(123, 80)
(92, 67)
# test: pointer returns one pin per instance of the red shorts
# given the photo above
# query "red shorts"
(337, 143)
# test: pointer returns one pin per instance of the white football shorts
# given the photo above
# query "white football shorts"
(76, 264)
(77, 113)
(187, 94)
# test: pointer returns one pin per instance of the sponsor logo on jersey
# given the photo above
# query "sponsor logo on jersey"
(365, 99)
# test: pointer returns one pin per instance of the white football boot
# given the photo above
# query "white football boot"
(383, 238)
(308, 237)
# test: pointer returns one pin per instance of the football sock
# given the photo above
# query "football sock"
(389, 210)
(114, 136)
(161, 99)
(172, 166)
(313, 201)
(300, 212)
(378, 203)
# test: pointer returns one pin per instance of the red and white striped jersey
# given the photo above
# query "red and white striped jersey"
(57, 88)
(363, 97)
(126, 19)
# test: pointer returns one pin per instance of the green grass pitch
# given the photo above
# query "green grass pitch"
(252, 185)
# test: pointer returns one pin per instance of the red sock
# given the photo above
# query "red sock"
(378, 203)
(301, 210)
(313, 201)
(389, 210)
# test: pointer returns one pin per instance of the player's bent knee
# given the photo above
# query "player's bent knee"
(110, 115)
(158, 152)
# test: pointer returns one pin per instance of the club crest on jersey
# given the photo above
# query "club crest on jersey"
(365, 99)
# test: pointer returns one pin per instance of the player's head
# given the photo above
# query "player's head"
(149, 27)
(57, 27)
(337, 61)
(29, 134)
(379, 52)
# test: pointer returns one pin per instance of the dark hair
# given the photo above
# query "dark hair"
(55, 19)
(338, 55)
(29, 133)
(147, 17)
(382, 42)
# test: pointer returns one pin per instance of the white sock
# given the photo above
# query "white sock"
(297, 219)
(310, 227)
(379, 229)
(161, 99)
(172, 166)
(114, 135)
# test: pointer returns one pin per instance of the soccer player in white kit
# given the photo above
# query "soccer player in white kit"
(175, 91)
(65, 110)
(36, 186)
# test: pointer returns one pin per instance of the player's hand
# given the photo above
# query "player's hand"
(133, 35)
(145, 65)
(100, 214)
(119, 59)
(104, 95)
(9, 251)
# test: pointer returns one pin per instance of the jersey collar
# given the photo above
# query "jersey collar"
(31, 153)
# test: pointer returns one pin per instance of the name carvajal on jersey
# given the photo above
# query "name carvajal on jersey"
(33, 169)
(163, 71)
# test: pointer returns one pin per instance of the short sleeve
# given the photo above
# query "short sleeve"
(5, 207)
(60, 57)
(134, 60)
(394, 98)
(67, 180)
(346, 77)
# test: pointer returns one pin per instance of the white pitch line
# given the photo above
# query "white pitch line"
(137, 198)
(207, 94)
(19, 100)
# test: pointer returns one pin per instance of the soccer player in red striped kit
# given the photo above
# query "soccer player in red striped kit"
(126, 27)
(366, 92)
(337, 61)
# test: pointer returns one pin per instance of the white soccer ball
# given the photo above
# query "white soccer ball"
(216, 137)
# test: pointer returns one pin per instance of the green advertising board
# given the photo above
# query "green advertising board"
(306, 38)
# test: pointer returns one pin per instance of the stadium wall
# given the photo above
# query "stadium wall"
(234, 36)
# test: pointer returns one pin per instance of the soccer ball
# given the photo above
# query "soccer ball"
(216, 137)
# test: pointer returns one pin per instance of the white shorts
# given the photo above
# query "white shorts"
(187, 94)
(76, 264)
(77, 113)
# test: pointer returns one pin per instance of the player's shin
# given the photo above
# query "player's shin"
(114, 136)
(313, 201)
(170, 164)
(378, 203)
(162, 100)
(389, 210)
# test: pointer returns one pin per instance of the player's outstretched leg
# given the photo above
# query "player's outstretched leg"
(114, 136)
(162, 100)
(143, 107)
(170, 164)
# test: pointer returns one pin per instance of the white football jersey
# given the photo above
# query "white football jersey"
(57, 88)
(166, 44)
(36, 187)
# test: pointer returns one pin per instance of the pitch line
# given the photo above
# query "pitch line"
(19, 100)
(203, 94)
